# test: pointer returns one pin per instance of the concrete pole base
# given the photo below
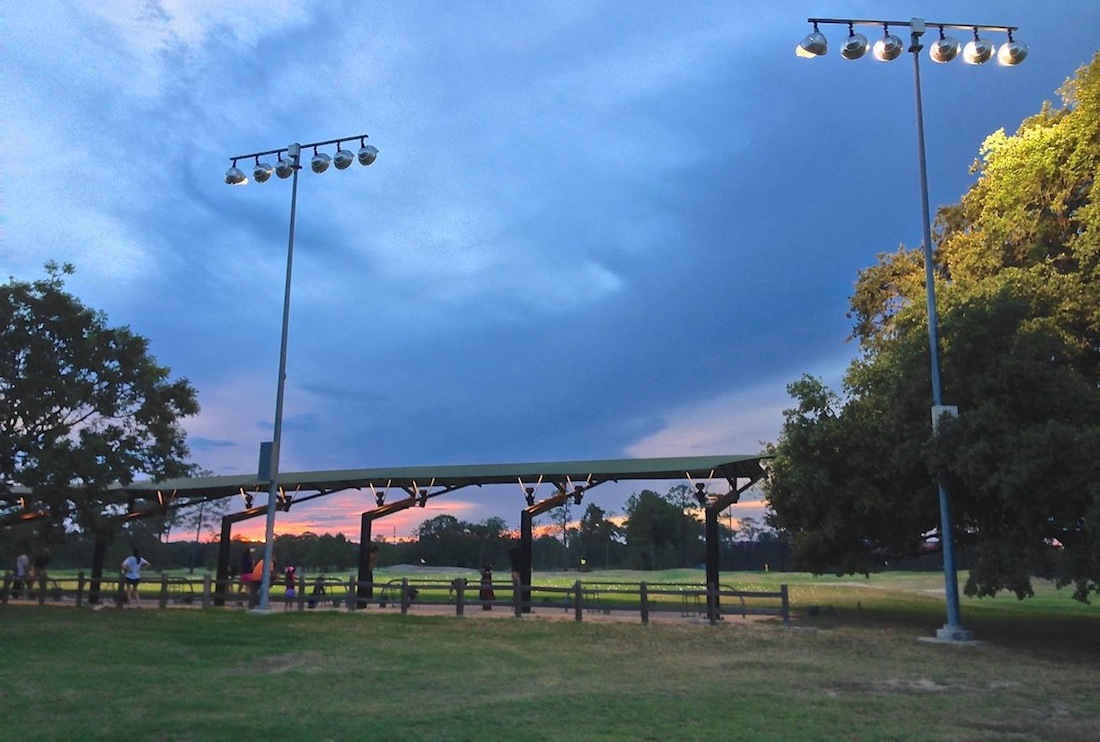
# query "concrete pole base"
(954, 634)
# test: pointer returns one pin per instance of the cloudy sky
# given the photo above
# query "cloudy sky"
(594, 229)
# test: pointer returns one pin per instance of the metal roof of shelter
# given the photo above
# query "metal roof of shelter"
(18, 504)
(454, 476)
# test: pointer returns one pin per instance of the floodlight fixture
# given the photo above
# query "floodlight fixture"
(284, 168)
(367, 153)
(262, 171)
(701, 493)
(235, 176)
(855, 46)
(944, 49)
(343, 158)
(1012, 53)
(889, 47)
(320, 161)
(978, 50)
(814, 45)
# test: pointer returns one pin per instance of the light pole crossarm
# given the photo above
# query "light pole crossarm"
(934, 24)
(303, 146)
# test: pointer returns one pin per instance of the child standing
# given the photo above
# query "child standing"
(290, 577)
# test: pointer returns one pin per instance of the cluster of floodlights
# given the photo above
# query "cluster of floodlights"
(319, 163)
(890, 46)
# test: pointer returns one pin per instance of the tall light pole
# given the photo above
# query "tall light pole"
(269, 451)
(944, 49)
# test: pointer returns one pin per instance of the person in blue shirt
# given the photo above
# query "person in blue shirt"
(131, 575)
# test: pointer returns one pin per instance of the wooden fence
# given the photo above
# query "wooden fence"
(686, 600)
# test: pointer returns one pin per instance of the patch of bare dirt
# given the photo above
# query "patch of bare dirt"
(913, 685)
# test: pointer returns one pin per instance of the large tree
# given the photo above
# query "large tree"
(1017, 271)
(598, 535)
(660, 534)
(83, 406)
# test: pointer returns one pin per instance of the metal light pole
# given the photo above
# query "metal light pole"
(945, 49)
(953, 629)
(269, 452)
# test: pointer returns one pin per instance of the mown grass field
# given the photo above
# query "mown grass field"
(851, 668)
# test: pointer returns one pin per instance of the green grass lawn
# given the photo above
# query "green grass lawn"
(852, 668)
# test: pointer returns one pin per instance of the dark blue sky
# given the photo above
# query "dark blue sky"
(595, 229)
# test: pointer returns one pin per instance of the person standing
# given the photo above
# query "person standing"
(486, 593)
(22, 574)
(290, 576)
(40, 574)
(257, 579)
(131, 575)
(246, 571)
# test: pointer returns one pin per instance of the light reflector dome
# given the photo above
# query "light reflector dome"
(262, 171)
(1012, 53)
(814, 45)
(234, 175)
(284, 168)
(367, 154)
(319, 162)
(944, 49)
(977, 51)
(343, 159)
(889, 47)
(855, 46)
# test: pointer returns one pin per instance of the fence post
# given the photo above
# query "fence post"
(80, 588)
(300, 598)
(163, 591)
(460, 596)
(206, 585)
(517, 597)
(351, 594)
(643, 592)
(784, 596)
(578, 604)
(404, 596)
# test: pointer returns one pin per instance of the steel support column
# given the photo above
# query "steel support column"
(362, 592)
(713, 507)
(416, 498)
(221, 583)
(526, 537)
(714, 556)
(525, 550)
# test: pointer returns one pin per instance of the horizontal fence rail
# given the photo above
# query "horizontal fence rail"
(687, 600)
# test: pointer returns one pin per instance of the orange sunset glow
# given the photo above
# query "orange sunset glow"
(340, 513)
